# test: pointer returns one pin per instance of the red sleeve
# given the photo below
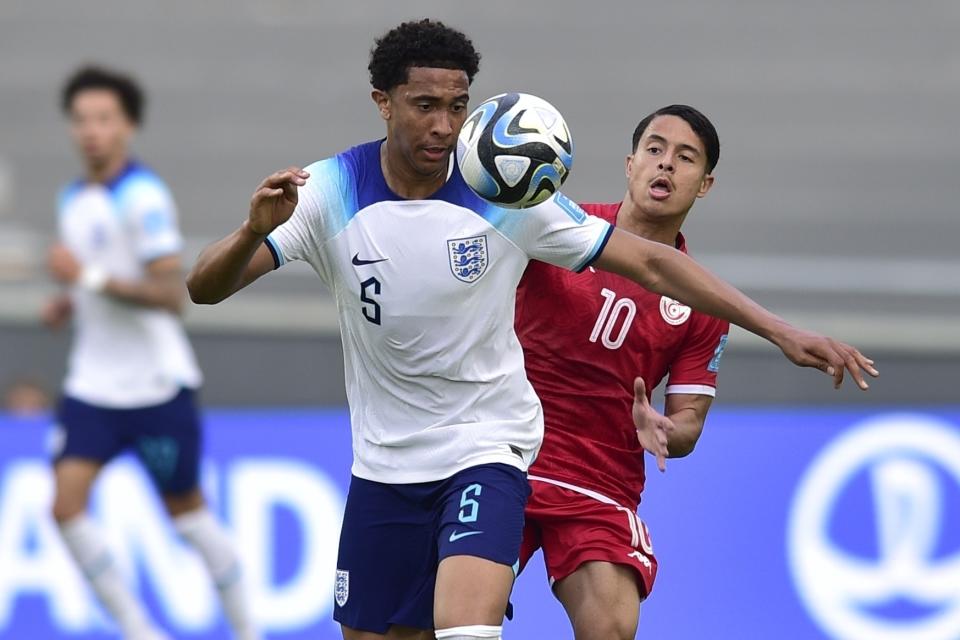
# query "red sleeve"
(694, 370)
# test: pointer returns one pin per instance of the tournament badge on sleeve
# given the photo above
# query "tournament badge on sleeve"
(341, 590)
(468, 257)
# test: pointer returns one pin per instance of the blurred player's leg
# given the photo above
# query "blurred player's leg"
(85, 541)
(168, 443)
(602, 600)
(201, 530)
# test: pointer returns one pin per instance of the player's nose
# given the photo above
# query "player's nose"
(443, 124)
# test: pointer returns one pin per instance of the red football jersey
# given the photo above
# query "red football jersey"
(585, 337)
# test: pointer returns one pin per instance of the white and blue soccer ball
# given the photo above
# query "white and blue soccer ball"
(515, 150)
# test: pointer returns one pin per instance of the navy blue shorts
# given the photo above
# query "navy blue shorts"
(166, 438)
(395, 535)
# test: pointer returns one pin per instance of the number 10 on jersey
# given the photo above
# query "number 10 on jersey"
(610, 315)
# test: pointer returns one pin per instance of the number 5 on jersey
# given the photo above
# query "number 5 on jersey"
(371, 309)
(610, 316)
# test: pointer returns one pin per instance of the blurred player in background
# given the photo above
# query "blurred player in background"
(444, 421)
(586, 338)
(132, 377)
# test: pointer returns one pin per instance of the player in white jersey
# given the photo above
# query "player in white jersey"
(132, 375)
(424, 274)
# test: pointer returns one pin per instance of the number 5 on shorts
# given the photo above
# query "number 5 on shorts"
(468, 506)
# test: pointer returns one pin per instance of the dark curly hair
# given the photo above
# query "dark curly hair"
(700, 124)
(92, 77)
(421, 43)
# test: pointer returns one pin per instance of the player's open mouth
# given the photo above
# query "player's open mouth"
(660, 189)
(436, 153)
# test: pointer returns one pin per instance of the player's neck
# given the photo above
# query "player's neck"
(107, 170)
(631, 218)
(403, 180)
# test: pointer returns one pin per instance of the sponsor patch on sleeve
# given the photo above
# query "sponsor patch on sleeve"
(714, 365)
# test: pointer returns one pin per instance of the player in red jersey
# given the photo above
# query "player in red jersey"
(586, 338)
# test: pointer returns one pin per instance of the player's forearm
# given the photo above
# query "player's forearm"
(157, 292)
(669, 272)
(220, 268)
(682, 440)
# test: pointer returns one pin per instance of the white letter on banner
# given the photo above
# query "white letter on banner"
(33, 559)
(256, 488)
(137, 528)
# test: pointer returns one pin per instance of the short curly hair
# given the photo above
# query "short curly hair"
(126, 89)
(421, 43)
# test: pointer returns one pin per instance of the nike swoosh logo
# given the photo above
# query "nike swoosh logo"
(463, 534)
(358, 262)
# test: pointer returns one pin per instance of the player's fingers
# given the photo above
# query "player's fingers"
(266, 192)
(837, 364)
(284, 177)
(663, 450)
(853, 366)
(864, 362)
(639, 390)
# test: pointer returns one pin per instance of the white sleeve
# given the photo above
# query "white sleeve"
(152, 219)
(320, 208)
(557, 231)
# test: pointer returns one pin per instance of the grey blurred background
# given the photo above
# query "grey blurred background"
(836, 201)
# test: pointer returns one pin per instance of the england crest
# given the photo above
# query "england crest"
(468, 258)
(341, 590)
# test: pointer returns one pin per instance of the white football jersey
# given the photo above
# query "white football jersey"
(123, 355)
(426, 294)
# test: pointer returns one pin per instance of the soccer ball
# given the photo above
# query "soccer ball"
(515, 150)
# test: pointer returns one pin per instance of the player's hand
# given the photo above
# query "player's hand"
(275, 199)
(653, 428)
(64, 267)
(56, 311)
(808, 349)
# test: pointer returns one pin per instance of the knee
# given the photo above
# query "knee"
(179, 504)
(606, 625)
(64, 509)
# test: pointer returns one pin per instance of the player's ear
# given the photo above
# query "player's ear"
(382, 100)
(705, 185)
(628, 166)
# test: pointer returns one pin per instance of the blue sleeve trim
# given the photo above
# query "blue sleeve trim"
(597, 248)
(278, 260)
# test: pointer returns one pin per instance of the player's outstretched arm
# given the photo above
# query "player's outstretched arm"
(232, 263)
(669, 272)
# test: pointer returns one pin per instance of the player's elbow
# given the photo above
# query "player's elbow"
(681, 449)
(198, 291)
(683, 442)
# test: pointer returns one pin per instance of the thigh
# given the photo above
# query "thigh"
(387, 559)
(166, 439)
(480, 532)
(602, 600)
(578, 528)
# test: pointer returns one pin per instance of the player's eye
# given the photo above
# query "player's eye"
(653, 150)
(686, 158)
(458, 108)
(424, 106)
